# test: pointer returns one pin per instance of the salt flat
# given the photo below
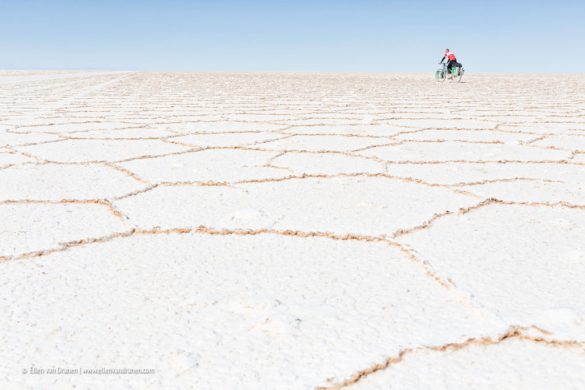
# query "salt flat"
(292, 231)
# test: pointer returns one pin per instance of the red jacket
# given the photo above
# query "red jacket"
(450, 56)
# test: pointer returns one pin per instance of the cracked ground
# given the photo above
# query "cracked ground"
(292, 231)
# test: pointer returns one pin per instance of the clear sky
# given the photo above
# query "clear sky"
(295, 35)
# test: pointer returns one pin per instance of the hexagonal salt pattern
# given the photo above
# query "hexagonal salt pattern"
(292, 231)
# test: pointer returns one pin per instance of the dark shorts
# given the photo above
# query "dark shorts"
(451, 64)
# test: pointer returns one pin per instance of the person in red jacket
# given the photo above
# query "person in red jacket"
(451, 60)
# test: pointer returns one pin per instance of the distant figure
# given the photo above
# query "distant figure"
(451, 60)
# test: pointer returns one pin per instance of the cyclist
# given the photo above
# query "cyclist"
(451, 61)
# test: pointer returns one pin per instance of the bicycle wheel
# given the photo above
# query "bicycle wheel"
(461, 71)
(444, 75)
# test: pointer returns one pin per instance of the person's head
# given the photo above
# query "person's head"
(446, 49)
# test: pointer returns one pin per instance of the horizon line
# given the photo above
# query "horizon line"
(19, 69)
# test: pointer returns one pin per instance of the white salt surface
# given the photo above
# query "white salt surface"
(268, 231)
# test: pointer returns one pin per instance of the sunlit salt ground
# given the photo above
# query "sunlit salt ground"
(267, 231)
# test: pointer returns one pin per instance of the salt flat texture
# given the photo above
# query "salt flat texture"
(289, 231)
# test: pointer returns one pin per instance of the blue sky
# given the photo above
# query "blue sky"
(301, 35)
